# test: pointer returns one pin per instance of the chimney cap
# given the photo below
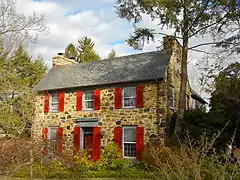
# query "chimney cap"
(60, 54)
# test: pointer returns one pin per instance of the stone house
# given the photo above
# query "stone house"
(127, 100)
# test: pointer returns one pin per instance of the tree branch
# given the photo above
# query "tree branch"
(197, 50)
(206, 44)
(206, 27)
(199, 15)
(178, 37)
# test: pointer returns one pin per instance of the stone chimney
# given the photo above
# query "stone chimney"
(172, 44)
(60, 60)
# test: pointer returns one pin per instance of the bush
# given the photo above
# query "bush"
(191, 161)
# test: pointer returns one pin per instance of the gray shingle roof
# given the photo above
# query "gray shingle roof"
(197, 96)
(132, 68)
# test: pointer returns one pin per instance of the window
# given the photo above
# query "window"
(129, 97)
(52, 136)
(88, 102)
(129, 142)
(171, 97)
(54, 102)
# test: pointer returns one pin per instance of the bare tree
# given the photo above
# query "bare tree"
(16, 27)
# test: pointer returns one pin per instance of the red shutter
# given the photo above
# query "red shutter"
(61, 101)
(139, 142)
(139, 96)
(118, 98)
(45, 138)
(79, 101)
(97, 99)
(45, 133)
(46, 102)
(76, 139)
(118, 137)
(96, 143)
(60, 139)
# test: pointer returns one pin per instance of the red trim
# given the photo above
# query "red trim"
(97, 99)
(96, 143)
(60, 139)
(139, 142)
(61, 101)
(45, 133)
(45, 138)
(46, 102)
(76, 139)
(139, 96)
(79, 101)
(118, 98)
(118, 137)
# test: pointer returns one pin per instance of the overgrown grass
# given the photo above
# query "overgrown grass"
(160, 162)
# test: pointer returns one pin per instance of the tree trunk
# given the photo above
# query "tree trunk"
(184, 76)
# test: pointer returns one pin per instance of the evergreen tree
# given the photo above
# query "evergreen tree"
(85, 49)
(189, 18)
(19, 74)
(112, 54)
(70, 51)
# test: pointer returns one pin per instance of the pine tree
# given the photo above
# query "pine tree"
(70, 51)
(85, 49)
(112, 54)
(18, 75)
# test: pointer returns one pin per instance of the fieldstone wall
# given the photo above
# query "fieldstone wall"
(152, 116)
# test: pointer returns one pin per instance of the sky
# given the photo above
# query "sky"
(68, 20)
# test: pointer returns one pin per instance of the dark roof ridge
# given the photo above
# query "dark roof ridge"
(112, 59)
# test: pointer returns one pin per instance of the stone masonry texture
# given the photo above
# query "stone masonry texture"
(154, 116)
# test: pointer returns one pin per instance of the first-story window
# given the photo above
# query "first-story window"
(129, 97)
(54, 102)
(129, 142)
(52, 137)
(88, 100)
(171, 97)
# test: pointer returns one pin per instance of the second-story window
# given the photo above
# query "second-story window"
(88, 100)
(54, 102)
(171, 97)
(129, 97)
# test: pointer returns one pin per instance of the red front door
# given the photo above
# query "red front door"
(88, 143)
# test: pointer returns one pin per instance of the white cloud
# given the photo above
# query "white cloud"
(71, 19)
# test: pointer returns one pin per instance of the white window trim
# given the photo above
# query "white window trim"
(84, 100)
(51, 110)
(127, 142)
(130, 97)
(172, 98)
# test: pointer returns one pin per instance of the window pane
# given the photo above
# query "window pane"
(129, 134)
(89, 104)
(55, 98)
(129, 92)
(129, 102)
(89, 96)
(54, 107)
(53, 133)
(129, 150)
(171, 102)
